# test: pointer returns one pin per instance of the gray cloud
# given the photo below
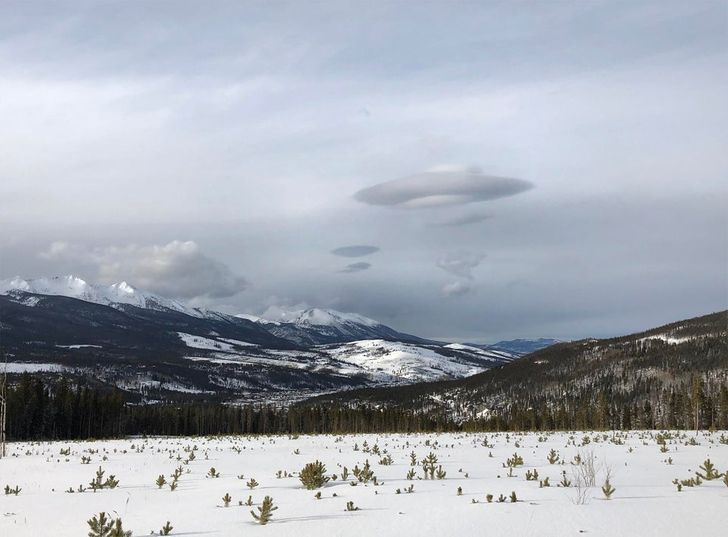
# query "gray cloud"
(460, 263)
(441, 186)
(458, 288)
(463, 220)
(356, 267)
(358, 250)
(177, 269)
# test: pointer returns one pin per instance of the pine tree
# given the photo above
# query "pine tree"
(265, 511)
(313, 475)
(118, 531)
(608, 489)
(100, 525)
(709, 471)
(166, 529)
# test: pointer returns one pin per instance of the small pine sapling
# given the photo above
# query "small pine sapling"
(166, 529)
(313, 475)
(514, 498)
(709, 471)
(161, 481)
(100, 526)
(14, 491)
(118, 531)
(265, 511)
(226, 499)
(252, 483)
(608, 489)
(350, 506)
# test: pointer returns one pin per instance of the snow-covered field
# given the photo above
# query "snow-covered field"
(645, 502)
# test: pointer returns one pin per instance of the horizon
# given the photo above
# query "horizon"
(473, 173)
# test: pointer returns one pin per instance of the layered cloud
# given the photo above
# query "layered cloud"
(177, 269)
(357, 250)
(356, 267)
(460, 263)
(462, 219)
(440, 187)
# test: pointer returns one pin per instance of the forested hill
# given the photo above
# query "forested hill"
(671, 376)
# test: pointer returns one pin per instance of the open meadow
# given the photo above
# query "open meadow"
(389, 484)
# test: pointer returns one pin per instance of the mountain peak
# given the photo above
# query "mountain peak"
(74, 287)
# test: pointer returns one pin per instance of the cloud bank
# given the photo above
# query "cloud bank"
(178, 269)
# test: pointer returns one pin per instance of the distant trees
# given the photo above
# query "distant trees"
(40, 410)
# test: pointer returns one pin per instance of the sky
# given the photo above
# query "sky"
(469, 171)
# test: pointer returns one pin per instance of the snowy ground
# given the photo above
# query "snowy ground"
(645, 503)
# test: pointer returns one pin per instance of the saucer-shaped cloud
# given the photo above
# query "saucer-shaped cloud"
(358, 250)
(441, 186)
(356, 267)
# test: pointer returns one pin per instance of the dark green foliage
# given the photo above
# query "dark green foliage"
(313, 475)
(14, 491)
(102, 526)
(166, 529)
(226, 500)
(350, 506)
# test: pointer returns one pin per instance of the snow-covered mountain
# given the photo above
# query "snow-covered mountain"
(523, 347)
(315, 326)
(111, 295)
(150, 345)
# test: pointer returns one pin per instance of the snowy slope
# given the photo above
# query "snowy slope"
(315, 326)
(75, 287)
(159, 343)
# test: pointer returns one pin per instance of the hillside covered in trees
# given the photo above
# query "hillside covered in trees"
(674, 376)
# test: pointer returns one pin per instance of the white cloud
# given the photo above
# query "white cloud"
(460, 263)
(177, 269)
(458, 288)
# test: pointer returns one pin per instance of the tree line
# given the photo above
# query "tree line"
(40, 410)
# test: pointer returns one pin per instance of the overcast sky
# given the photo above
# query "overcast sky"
(470, 171)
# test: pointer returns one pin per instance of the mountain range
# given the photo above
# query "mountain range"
(156, 348)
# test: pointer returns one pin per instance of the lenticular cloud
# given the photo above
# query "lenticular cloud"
(438, 187)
